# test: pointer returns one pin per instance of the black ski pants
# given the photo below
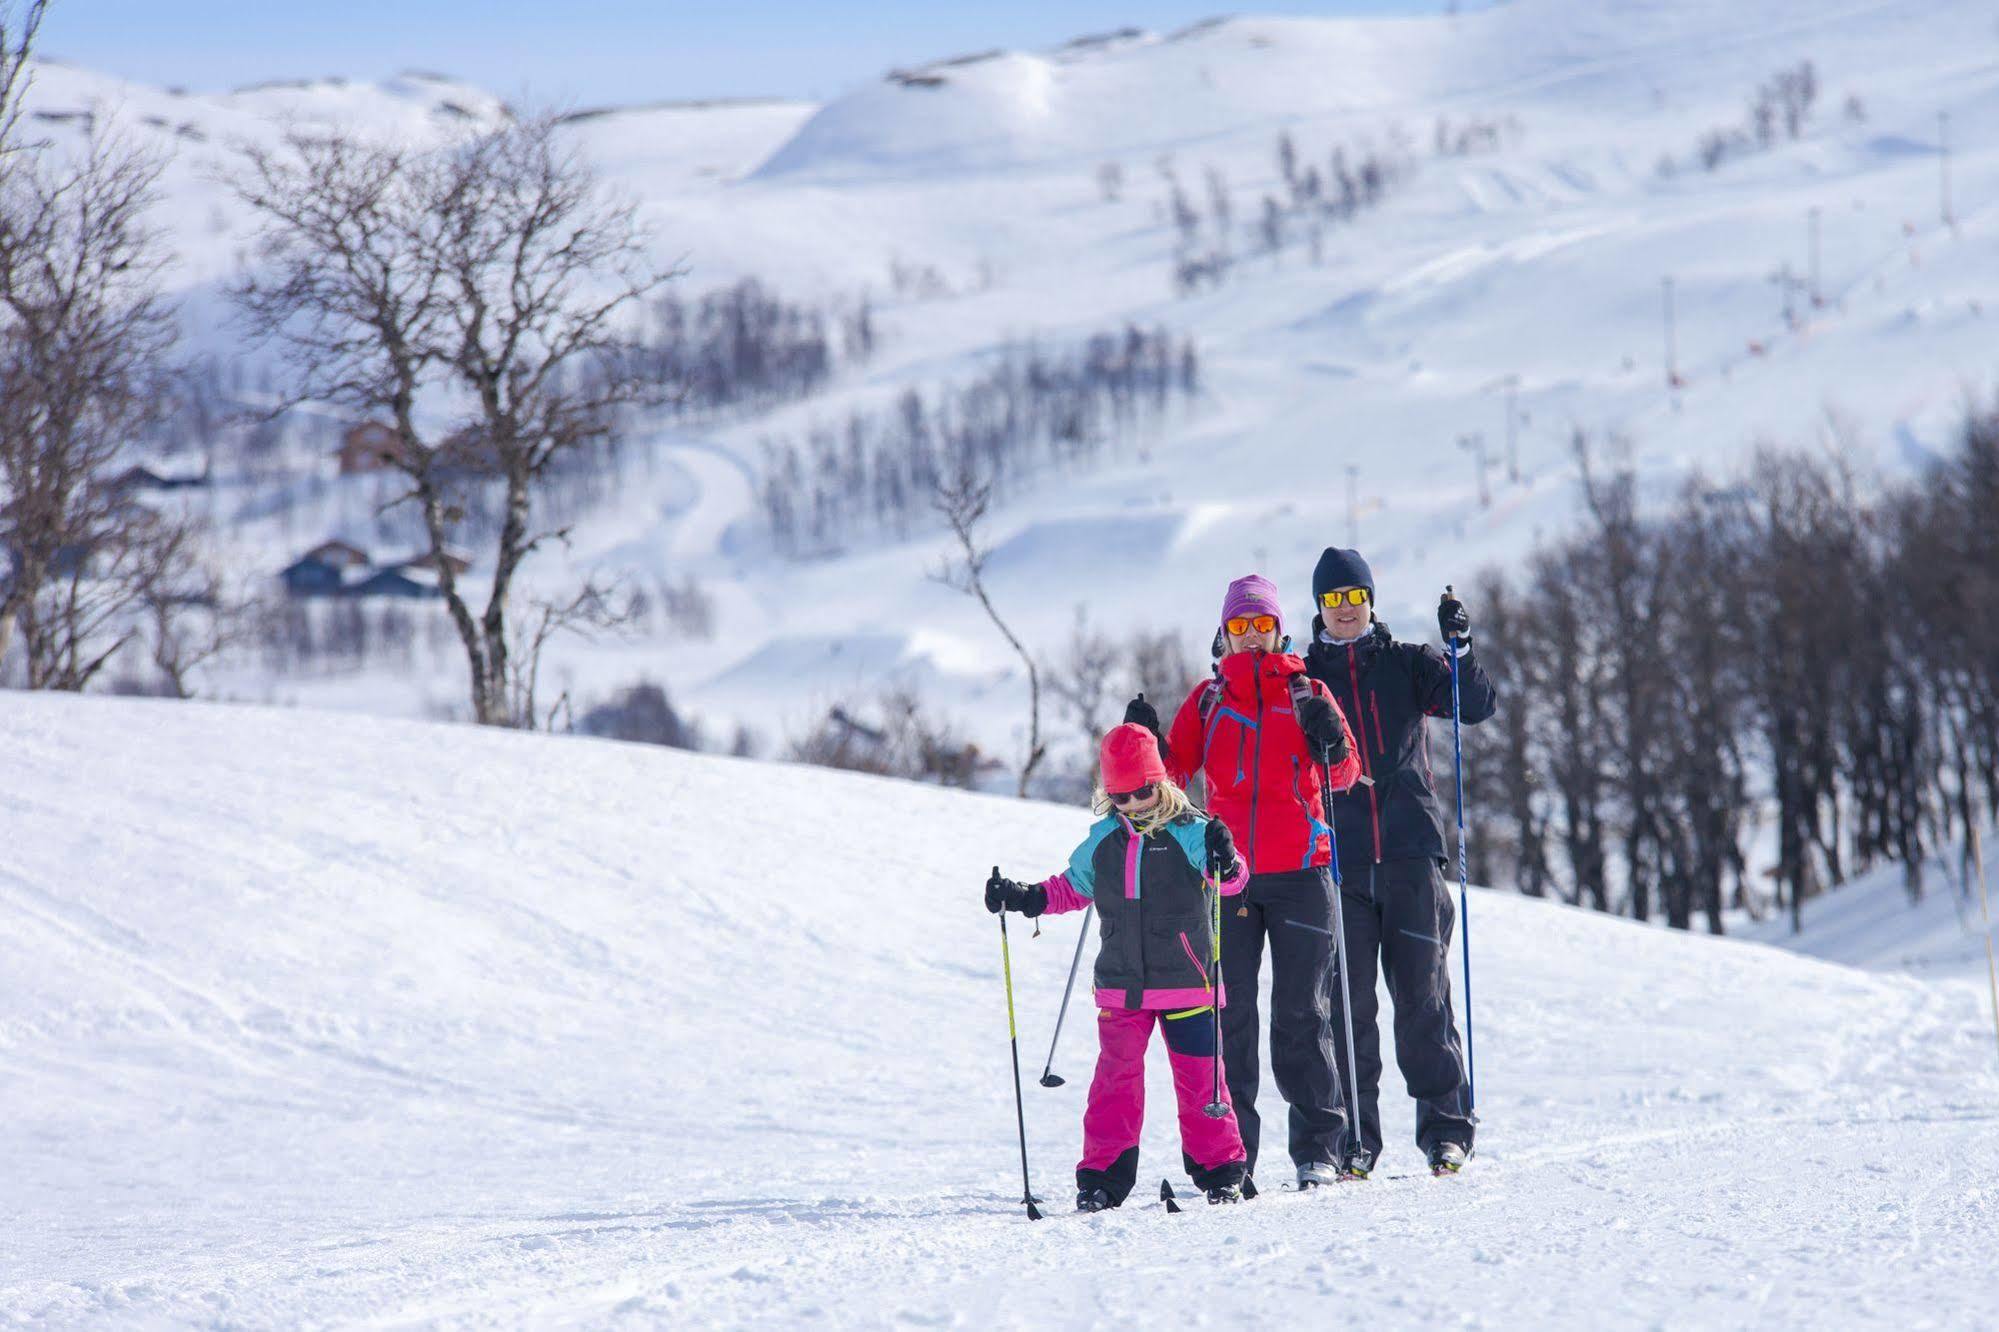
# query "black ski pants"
(1292, 914)
(1399, 914)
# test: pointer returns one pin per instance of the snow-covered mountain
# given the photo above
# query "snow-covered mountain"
(1539, 259)
(322, 1020)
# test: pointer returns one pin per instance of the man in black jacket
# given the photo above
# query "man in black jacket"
(1391, 842)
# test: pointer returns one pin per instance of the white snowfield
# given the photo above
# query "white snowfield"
(318, 1020)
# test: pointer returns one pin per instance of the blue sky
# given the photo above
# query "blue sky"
(592, 51)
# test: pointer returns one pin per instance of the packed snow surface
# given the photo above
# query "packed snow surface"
(311, 1019)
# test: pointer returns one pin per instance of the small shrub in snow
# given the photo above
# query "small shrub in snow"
(642, 714)
(894, 736)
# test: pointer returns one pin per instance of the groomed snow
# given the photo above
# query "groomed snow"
(310, 1019)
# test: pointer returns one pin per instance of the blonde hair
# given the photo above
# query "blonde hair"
(1172, 803)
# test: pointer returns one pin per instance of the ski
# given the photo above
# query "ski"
(1166, 1196)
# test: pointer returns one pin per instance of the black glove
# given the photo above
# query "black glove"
(1140, 712)
(1452, 618)
(1221, 849)
(1323, 731)
(1006, 895)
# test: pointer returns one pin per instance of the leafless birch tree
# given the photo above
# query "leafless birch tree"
(480, 301)
(85, 338)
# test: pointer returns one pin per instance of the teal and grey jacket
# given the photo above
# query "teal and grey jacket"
(1155, 913)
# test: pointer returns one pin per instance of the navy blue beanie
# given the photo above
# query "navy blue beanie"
(1340, 568)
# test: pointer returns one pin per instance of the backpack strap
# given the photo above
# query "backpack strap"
(1211, 694)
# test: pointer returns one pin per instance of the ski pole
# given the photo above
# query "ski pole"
(1340, 959)
(1013, 1036)
(1048, 1076)
(1214, 1109)
(1464, 870)
(1985, 908)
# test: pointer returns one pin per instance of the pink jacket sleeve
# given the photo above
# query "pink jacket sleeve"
(1061, 896)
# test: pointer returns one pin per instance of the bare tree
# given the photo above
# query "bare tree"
(595, 608)
(964, 499)
(18, 25)
(1658, 745)
(1159, 666)
(191, 616)
(1084, 681)
(84, 341)
(498, 274)
(901, 738)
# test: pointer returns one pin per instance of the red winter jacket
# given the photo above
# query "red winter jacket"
(1262, 781)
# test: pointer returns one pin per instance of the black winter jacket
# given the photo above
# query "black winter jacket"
(1389, 690)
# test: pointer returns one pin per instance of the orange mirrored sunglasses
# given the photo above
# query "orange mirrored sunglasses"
(1242, 624)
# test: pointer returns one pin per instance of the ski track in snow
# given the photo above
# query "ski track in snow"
(311, 1019)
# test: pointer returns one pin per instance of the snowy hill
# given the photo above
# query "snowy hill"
(318, 1019)
(1871, 922)
(1539, 258)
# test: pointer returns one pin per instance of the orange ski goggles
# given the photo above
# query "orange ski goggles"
(1242, 624)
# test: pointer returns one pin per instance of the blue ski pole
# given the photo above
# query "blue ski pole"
(1464, 867)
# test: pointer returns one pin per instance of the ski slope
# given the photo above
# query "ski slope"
(313, 1019)
(1541, 260)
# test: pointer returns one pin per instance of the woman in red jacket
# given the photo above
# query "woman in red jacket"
(1259, 732)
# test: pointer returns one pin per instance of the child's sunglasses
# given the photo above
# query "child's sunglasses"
(1241, 624)
(1352, 596)
(1128, 797)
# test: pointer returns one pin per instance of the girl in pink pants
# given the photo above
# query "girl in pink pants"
(1148, 865)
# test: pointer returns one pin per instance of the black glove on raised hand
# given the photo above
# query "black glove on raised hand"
(1141, 713)
(1221, 849)
(1006, 895)
(1322, 729)
(1452, 618)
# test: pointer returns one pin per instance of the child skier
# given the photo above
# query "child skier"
(1155, 854)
